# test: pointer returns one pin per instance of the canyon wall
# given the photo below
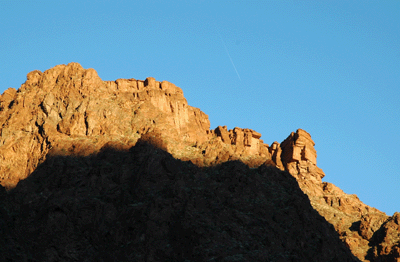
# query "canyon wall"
(69, 111)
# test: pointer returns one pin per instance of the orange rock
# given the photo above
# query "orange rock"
(69, 110)
(68, 105)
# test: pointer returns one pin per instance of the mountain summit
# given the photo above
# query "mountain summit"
(68, 110)
(133, 150)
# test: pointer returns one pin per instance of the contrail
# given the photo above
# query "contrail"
(226, 49)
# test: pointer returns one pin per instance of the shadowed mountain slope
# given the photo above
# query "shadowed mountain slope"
(144, 205)
(68, 114)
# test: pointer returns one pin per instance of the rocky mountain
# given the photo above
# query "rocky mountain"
(142, 204)
(127, 170)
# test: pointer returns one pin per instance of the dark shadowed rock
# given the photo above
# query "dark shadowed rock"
(82, 186)
(144, 205)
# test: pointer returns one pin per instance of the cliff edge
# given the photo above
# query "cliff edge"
(68, 111)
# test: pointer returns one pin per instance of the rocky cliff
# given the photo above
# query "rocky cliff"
(145, 205)
(369, 233)
(69, 113)
(69, 110)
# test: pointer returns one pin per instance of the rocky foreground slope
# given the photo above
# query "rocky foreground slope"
(144, 205)
(80, 185)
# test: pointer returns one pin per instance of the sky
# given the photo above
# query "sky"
(331, 68)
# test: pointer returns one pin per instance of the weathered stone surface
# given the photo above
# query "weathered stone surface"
(369, 233)
(241, 144)
(299, 156)
(275, 150)
(142, 204)
(69, 111)
(386, 240)
(223, 133)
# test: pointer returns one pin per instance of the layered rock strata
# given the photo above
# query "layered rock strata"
(369, 233)
(69, 111)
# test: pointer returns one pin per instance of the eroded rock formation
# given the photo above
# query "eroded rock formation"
(369, 233)
(69, 111)
(144, 205)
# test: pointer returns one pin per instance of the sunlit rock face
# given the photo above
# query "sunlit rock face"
(68, 111)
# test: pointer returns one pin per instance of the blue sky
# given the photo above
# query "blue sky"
(331, 68)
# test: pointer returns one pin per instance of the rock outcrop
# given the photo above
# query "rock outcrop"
(237, 144)
(68, 111)
(369, 233)
(299, 156)
(144, 205)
